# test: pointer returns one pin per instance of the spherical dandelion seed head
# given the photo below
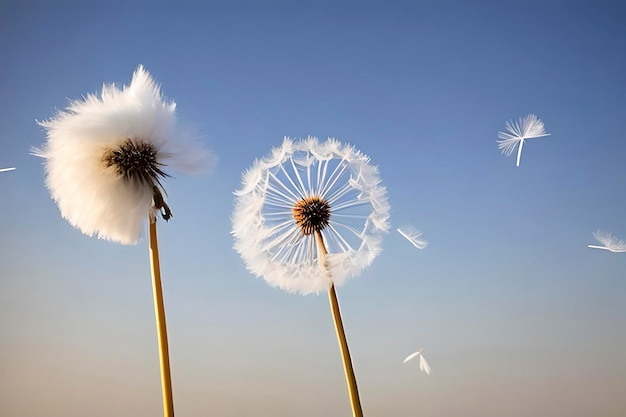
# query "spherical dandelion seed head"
(312, 214)
(302, 188)
(105, 155)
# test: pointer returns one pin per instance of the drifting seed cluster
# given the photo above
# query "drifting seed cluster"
(312, 214)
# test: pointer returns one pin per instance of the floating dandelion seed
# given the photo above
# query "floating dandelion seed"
(423, 364)
(104, 161)
(413, 235)
(6, 169)
(609, 242)
(528, 127)
(308, 217)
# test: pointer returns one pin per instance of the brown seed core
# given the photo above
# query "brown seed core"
(138, 161)
(312, 214)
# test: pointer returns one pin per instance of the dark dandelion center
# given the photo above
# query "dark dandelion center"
(138, 161)
(312, 214)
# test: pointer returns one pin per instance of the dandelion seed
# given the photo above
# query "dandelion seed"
(413, 236)
(6, 169)
(609, 242)
(528, 127)
(423, 364)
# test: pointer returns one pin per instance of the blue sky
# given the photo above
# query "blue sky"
(517, 316)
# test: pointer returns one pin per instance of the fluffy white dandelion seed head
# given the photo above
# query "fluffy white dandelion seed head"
(528, 127)
(90, 192)
(609, 242)
(265, 227)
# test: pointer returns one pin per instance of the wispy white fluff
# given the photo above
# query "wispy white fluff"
(609, 242)
(413, 235)
(91, 195)
(267, 236)
(423, 364)
(528, 127)
(6, 169)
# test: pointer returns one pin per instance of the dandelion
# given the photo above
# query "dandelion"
(423, 364)
(528, 127)
(308, 217)
(413, 235)
(609, 242)
(303, 189)
(105, 160)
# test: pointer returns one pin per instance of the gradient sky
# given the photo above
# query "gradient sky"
(516, 315)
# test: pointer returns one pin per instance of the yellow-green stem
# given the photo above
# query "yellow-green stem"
(353, 391)
(159, 311)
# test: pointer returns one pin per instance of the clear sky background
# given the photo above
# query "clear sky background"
(516, 315)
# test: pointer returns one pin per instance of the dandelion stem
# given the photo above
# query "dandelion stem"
(519, 151)
(353, 391)
(159, 311)
(598, 247)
